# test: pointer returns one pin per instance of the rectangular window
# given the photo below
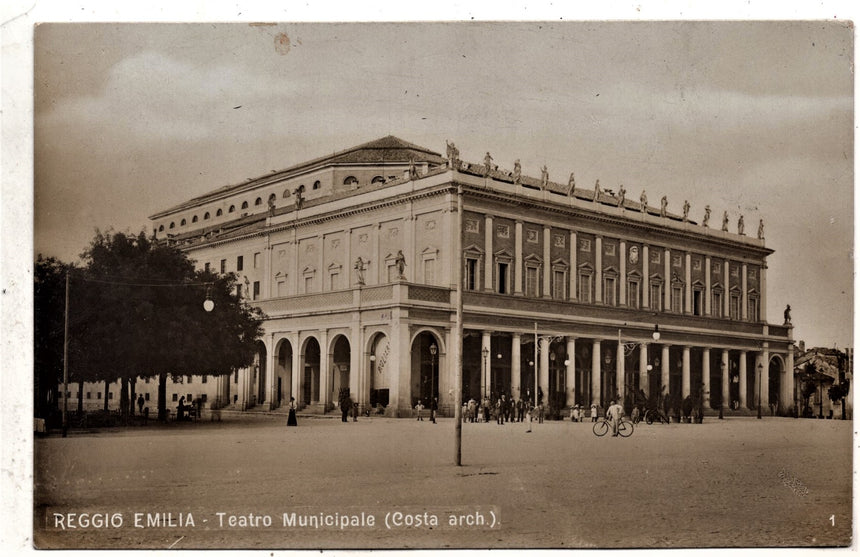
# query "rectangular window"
(609, 296)
(256, 289)
(657, 297)
(188, 379)
(223, 266)
(429, 271)
(240, 263)
(309, 284)
(236, 376)
(532, 281)
(175, 397)
(392, 273)
(735, 307)
(282, 288)
(257, 260)
(585, 288)
(110, 395)
(206, 267)
(99, 395)
(333, 281)
(559, 284)
(146, 397)
(698, 296)
(752, 309)
(716, 304)
(205, 379)
(633, 294)
(677, 299)
(146, 380)
(471, 274)
(89, 394)
(502, 278)
(203, 397)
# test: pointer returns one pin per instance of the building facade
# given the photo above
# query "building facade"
(356, 259)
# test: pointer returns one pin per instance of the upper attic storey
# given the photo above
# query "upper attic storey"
(367, 165)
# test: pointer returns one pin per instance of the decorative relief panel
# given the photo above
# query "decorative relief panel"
(558, 241)
(532, 236)
(335, 242)
(717, 267)
(430, 225)
(503, 231)
(362, 238)
(392, 232)
(735, 271)
(472, 225)
(585, 244)
(655, 256)
(697, 264)
(633, 255)
(677, 261)
(751, 274)
(609, 249)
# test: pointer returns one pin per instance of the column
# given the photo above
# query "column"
(267, 280)
(706, 376)
(297, 376)
(667, 280)
(518, 258)
(573, 268)
(742, 390)
(543, 376)
(595, 372)
(516, 359)
(619, 370)
(488, 253)
(765, 376)
(324, 379)
(685, 372)
(547, 262)
(708, 285)
(622, 279)
(664, 370)
(786, 399)
(763, 297)
(358, 364)
(322, 271)
(727, 298)
(570, 372)
(349, 273)
(293, 283)
(643, 368)
(646, 281)
(376, 263)
(724, 366)
(412, 272)
(485, 363)
(271, 390)
(744, 295)
(598, 269)
(688, 285)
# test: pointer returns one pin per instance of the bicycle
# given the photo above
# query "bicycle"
(655, 414)
(602, 427)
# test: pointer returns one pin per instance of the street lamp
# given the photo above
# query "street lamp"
(760, 369)
(485, 353)
(432, 382)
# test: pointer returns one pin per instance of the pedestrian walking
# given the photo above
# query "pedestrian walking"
(418, 409)
(593, 411)
(486, 406)
(434, 406)
(140, 403)
(528, 420)
(540, 412)
(345, 407)
(355, 411)
(291, 419)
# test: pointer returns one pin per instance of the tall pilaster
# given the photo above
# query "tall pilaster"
(544, 368)
(619, 370)
(727, 298)
(518, 258)
(595, 372)
(570, 372)
(516, 371)
(724, 366)
(763, 294)
(573, 268)
(744, 294)
(646, 280)
(667, 280)
(643, 368)
(664, 370)
(547, 262)
(765, 377)
(271, 390)
(488, 253)
(685, 372)
(688, 284)
(622, 280)
(708, 285)
(325, 374)
(706, 375)
(598, 269)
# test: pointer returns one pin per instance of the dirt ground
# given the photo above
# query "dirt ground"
(739, 482)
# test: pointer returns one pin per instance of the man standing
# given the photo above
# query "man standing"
(613, 414)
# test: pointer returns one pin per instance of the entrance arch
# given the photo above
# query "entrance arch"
(283, 372)
(339, 368)
(379, 381)
(311, 372)
(425, 369)
(774, 382)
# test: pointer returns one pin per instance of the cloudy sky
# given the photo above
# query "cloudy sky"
(751, 118)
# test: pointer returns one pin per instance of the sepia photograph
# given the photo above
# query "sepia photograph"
(547, 284)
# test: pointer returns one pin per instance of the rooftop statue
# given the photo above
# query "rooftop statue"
(597, 190)
(544, 177)
(518, 172)
(453, 154)
(707, 215)
(686, 210)
(571, 185)
(359, 270)
(725, 227)
(643, 202)
(787, 315)
(488, 164)
(299, 198)
(741, 225)
(761, 229)
(413, 172)
(663, 204)
(400, 261)
(622, 193)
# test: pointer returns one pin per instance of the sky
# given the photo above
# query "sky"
(754, 118)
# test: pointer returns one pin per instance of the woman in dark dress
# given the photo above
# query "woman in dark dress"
(291, 420)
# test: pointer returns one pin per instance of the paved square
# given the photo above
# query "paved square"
(737, 482)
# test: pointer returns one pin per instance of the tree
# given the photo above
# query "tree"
(136, 310)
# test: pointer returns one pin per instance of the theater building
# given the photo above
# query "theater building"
(356, 259)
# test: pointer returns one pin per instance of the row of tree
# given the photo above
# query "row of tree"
(135, 310)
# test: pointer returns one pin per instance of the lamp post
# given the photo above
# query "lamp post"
(486, 353)
(722, 402)
(760, 368)
(432, 382)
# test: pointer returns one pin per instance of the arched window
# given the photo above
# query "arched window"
(183, 222)
(377, 180)
(206, 215)
(272, 198)
(194, 219)
(244, 204)
(258, 201)
(172, 225)
(161, 228)
(219, 213)
(232, 209)
(349, 181)
(317, 185)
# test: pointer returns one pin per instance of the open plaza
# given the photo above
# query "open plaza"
(387, 483)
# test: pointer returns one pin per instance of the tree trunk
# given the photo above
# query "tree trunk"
(123, 398)
(107, 395)
(162, 396)
(133, 397)
(80, 397)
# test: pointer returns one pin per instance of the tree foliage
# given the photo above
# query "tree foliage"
(136, 310)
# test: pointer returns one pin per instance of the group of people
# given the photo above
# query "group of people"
(581, 413)
(503, 410)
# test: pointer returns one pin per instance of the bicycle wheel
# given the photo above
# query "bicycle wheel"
(600, 428)
(625, 428)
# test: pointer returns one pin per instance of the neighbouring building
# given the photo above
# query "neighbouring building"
(816, 371)
(356, 257)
